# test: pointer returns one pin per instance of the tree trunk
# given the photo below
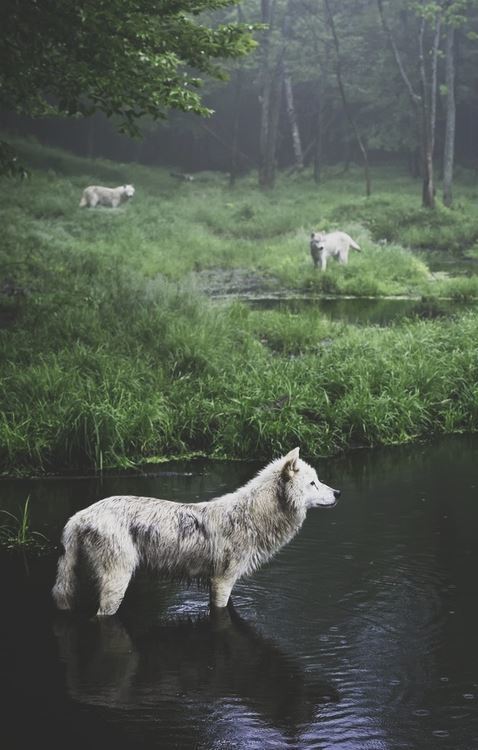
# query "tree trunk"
(318, 138)
(294, 128)
(235, 127)
(449, 150)
(239, 77)
(266, 17)
(348, 111)
(429, 112)
(424, 105)
(269, 129)
(434, 91)
(270, 100)
(274, 112)
(428, 198)
(428, 188)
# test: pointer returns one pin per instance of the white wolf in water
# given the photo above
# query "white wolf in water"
(331, 245)
(95, 195)
(214, 542)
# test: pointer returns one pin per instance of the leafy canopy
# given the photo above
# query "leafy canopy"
(122, 57)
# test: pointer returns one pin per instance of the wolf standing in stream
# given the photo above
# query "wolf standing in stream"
(215, 542)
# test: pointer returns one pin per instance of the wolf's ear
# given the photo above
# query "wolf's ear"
(291, 464)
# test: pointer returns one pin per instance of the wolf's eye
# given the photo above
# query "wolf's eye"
(313, 483)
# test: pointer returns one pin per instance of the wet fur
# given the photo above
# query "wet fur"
(215, 542)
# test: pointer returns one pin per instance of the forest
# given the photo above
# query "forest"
(184, 322)
(239, 374)
(355, 81)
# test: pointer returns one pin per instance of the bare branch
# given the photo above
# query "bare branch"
(415, 98)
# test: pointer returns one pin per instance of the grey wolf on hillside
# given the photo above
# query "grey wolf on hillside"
(331, 245)
(95, 195)
(214, 543)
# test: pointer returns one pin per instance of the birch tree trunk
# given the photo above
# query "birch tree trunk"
(289, 92)
(434, 91)
(429, 103)
(291, 113)
(449, 149)
(428, 192)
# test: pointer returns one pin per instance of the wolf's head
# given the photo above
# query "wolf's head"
(302, 485)
(128, 191)
(317, 240)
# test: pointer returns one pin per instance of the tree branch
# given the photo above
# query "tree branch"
(415, 98)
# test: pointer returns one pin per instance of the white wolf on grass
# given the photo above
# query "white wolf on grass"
(215, 542)
(95, 195)
(331, 245)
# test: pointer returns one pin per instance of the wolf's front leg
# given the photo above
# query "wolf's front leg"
(221, 591)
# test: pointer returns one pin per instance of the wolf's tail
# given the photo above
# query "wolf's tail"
(354, 245)
(65, 586)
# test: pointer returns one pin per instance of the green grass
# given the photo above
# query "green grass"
(109, 356)
(174, 229)
(16, 534)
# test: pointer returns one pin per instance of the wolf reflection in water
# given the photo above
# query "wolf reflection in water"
(207, 659)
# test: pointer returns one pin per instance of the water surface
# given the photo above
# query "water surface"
(365, 311)
(360, 635)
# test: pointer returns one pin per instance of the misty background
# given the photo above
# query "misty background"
(321, 88)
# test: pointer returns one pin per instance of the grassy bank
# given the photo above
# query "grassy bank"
(110, 355)
(174, 228)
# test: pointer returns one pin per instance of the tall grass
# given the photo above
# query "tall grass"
(16, 533)
(357, 387)
(109, 355)
(231, 382)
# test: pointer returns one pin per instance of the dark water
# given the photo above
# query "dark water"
(364, 311)
(360, 635)
(449, 263)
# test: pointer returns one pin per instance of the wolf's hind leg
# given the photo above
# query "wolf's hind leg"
(112, 561)
(112, 588)
(344, 257)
